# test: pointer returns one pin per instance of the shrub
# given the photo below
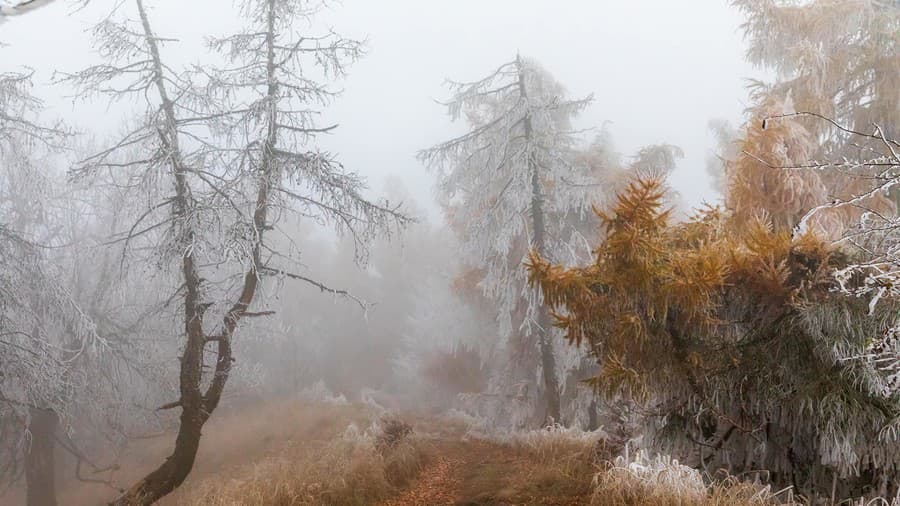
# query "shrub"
(392, 432)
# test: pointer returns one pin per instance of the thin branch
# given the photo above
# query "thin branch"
(321, 286)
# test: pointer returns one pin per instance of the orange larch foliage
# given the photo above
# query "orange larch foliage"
(651, 279)
(726, 324)
(757, 186)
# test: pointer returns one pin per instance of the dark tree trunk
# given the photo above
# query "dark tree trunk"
(197, 405)
(172, 473)
(593, 419)
(40, 465)
(548, 360)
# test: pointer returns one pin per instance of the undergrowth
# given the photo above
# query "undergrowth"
(642, 480)
(357, 468)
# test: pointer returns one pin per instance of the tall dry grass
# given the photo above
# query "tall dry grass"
(538, 467)
(563, 456)
(644, 480)
(242, 441)
(355, 469)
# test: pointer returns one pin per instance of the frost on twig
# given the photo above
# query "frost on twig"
(45, 333)
(485, 180)
(874, 240)
(222, 157)
(20, 8)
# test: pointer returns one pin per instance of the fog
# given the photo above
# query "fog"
(299, 225)
(659, 70)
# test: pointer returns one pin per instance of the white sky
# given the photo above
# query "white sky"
(659, 69)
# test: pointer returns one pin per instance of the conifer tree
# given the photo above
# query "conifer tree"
(508, 180)
(734, 338)
(835, 59)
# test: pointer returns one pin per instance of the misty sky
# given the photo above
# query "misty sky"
(659, 70)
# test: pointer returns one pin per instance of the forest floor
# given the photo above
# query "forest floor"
(440, 464)
(298, 453)
(478, 472)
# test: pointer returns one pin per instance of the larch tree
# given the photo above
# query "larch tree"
(835, 59)
(223, 158)
(766, 274)
(736, 342)
(820, 150)
(873, 241)
(822, 137)
(510, 181)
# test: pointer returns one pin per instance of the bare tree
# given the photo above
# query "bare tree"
(223, 160)
(44, 332)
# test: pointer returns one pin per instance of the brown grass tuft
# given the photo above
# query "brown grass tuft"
(393, 432)
(351, 470)
(662, 481)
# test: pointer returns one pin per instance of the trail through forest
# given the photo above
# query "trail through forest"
(439, 483)
(302, 453)
(466, 471)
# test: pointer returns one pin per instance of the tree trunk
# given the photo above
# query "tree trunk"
(197, 405)
(548, 360)
(40, 465)
(593, 419)
(172, 473)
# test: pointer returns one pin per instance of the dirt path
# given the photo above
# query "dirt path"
(482, 473)
(438, 484)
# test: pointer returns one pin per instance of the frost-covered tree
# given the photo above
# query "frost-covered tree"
(83, 367)
(45, 334)
(822, 139)
(836, 59)
(512, 184)
(737, 343)
(224, 156)
(874, 241)
(726, 149)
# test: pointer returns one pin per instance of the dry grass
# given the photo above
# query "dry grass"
(257, 441)
(392, 432)
(351, 470)
(642, 480)
(561, 457)
(540, 467)
(302, 453)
